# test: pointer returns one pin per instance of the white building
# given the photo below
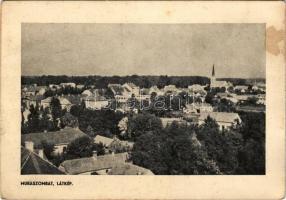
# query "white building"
(225, 120)
(198, 108)
(95, 103)
(218, 84)
(73, 85)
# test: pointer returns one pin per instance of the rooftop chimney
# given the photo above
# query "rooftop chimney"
(29, 145)
(94, 154)
(41, 153)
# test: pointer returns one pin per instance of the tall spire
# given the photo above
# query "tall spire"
(213, 72)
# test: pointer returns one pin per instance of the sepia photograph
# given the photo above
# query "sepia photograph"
(155, 99)
(143, 99)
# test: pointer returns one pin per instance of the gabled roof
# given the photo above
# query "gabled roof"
(47, 100)
(73, 99)
(31, 163)
(116, 89)
(220, 116)
(63, 136)
(131, 85)
(91, 164)
(129, 169)
(64, 101)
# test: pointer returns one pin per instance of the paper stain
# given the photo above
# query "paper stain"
(273, 38)
(168, 13)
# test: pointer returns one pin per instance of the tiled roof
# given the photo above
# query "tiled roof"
(82, 165)
(166, 121)
(31, 163)
(73, 99)
(220, 116)
(63, 136)
(129, 169)
(35, 98)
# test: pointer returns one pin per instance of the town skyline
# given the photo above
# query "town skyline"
(236, 50)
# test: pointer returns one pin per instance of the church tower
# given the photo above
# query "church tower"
(213, 79)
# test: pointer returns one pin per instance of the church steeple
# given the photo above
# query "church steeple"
(213, 72)
(213, 79)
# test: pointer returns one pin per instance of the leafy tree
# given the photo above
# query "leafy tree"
(79, 148)
(225, 105)
(100, 149)
(103, 122)
(76, 110)
(222, 147)
(118, 147)
(147, 153)
(69, 120)
(142, 123)
(89, 131)
(251, 157)
(33, 119)
(173, 151)
(56, 109)
(209, 98)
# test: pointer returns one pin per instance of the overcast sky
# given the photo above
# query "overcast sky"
(237, 50)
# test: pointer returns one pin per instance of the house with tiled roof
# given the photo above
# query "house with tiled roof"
(46, 102)
(131, 88)
(94, 165)
(32, 100)
(224, 119)
(73, 85)
(198, 108)
(129, 169)
(218, 84)
(103, 140)
(33, 163)
(196, 88)
(96, 102)
(113, 143)
(168, 121)
(60, 139)
(73, 99)
(241, 88)
(64, 102)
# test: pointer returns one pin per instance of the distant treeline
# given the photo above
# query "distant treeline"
(103, 81)
(243, 81)
(141, 81)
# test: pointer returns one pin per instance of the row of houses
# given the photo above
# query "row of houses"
(34, 160)
(225, 120)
